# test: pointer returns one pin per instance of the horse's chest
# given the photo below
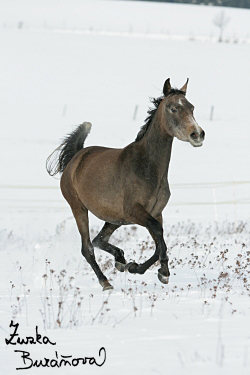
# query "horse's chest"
(159, 200)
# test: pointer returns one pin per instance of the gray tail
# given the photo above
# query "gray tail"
(72, 143)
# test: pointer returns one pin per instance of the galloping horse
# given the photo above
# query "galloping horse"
(128, 185)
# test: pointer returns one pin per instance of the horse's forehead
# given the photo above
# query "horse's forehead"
(177, 99)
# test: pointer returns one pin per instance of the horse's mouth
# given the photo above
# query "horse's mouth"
(196, 144)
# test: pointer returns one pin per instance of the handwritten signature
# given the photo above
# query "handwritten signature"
(57, 361)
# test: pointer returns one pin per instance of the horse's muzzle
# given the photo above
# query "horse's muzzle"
(196, 138)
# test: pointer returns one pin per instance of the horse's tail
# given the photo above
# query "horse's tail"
(72, 143)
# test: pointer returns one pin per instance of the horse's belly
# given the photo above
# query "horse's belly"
(107, 210)
(103, 200)
(97, 184)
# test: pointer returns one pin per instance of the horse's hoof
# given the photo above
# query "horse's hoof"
(120, 266)
(106, 285)
(163, 279)
(131, 267)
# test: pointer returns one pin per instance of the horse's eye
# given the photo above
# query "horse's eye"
(173, 110)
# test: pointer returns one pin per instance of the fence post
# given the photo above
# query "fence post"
(212, 113)
(64, 110)
(135, 112)
(215, 206)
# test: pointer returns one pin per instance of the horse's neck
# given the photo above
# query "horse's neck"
(158, 146)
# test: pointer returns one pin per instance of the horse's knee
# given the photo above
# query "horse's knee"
(140, 270)
(163, 258)
(100, 240)
(96, 241)
(155, 228)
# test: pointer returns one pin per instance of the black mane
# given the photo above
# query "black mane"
(151, 112)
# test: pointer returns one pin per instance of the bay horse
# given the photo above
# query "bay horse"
(128, 185)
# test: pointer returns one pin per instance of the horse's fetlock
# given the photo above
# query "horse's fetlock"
(132, 267)
(120, 258)
(140, 270)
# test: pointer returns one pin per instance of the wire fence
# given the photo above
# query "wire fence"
(178, 186)
(11, 201)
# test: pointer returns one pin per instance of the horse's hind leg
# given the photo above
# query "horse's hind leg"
(101, 241)
(80, 213)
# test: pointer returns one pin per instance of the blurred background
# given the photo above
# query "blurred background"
(64, 62)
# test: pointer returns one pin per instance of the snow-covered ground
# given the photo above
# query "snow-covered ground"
(65, 62)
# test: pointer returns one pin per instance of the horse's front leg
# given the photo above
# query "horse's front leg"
(142, 217)
(134, 267)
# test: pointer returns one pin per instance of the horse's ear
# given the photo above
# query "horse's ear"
(167, 87)
(184, 88)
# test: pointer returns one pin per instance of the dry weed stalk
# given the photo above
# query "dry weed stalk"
(67, 310)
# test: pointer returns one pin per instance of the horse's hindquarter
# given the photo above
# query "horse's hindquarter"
(95, 177)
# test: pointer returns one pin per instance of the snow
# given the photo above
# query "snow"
(70, 62)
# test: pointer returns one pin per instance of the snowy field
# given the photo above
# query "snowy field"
(65, 62)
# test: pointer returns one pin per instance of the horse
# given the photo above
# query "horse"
(128, 185)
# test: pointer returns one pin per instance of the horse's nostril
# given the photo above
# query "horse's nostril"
(202, 135)
(194, 135)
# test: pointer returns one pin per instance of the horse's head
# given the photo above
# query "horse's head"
(177, 114)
